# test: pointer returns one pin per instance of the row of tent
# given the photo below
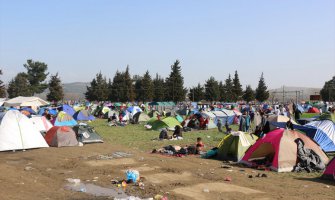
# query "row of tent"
(17, 131)
(278, 146)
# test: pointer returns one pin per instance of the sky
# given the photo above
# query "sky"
(291, 42)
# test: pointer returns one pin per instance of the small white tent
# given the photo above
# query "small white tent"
(18, 132)
(41, 123)
(34, 102)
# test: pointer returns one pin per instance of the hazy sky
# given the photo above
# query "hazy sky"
(291, 41)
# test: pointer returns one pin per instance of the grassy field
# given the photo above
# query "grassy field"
(136, 136)
(309, 115)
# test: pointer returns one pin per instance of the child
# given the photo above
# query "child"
(219, 125)
(199, 145)
(228, 129)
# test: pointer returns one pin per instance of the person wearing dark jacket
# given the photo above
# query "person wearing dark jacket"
(177, 132)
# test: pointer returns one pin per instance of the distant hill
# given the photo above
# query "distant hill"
(292, 92)
(72, 91)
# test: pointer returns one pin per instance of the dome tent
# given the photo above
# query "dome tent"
(61, 136)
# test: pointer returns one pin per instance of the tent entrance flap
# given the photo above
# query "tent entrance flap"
(265, 150)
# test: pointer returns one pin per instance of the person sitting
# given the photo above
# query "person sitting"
(199, 145)
(164, 134)
(46, 114)
(177, 132)
(228, 129)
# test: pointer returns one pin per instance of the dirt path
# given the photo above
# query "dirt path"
(41, 174)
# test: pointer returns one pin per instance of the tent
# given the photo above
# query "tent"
(26, 101)
(168, 122)
(211, 116)
(31, 111)
(18, 132)
(64, 119)
(41, 123)
(230, 116)
(313, 110)
(88, 132)
(233, 146)
(133, 110)
(329, 173)
(61, 136)
(279, 121)
(83, 115)
(322, 132)
(68, 109)
(143, 117)
(51, 111)
(179, 118)
(278, 147)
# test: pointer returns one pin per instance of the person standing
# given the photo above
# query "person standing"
(247, 122)
(219, 125)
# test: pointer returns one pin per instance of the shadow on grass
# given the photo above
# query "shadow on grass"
(317, 180)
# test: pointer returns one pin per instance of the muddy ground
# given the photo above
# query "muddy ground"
(42, 173)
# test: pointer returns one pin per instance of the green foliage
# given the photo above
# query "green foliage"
(19, 86)
(55, 89)
(262, 94)
(249, 94)
(328, 90)
(228, 87)
(197, 93)
(212, 90)
(158, 88)
(144, 88)
(222, 88)
(117, 89)
(129, 87)
(36, 75)
(237, 88)
(175, 84)
(98, 89)
(2, 88)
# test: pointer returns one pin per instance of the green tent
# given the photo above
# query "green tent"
(179, 118)
(233, 146)
(168, 122)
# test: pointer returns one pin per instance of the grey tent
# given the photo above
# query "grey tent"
(87, 134)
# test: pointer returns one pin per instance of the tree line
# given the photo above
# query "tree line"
(124, 87)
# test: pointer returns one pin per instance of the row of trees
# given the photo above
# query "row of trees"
(144, 88)
(33, 82)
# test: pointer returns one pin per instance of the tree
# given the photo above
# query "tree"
(98, 89)
(19, 86)
(328, 90)
(144, 88)
(262, 94)
(55, 89)
(36, 75)
(2, 88)
(158, 88)
(222, 88)
(175, 84)
(249, 94)
(237, 88)
(212, 90)
(229, 89)
(197, 93)
(117, 90)
(128, 86)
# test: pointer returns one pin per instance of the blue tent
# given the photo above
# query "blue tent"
(64, 119)
(31, 111)
(68, 109)
(83, 115)
(300, 108)
(322, 132)
(51, 111)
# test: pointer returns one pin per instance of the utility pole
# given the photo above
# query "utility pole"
(283, 95)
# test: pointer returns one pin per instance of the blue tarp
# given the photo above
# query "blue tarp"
(68, 109)
(31, 111)
(51, 111)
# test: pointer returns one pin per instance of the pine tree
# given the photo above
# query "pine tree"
(36, 74)
(229, 89)
(98, 89)
(175, 84)
(117, 90)
(212, 90)
(128, 85)
(2, 88)
(222, 88)
(138, 88)
(19, 86)
(262, 94)
(249, 94)
(328, 90)
(146, 88)
(197, 93)
(55, 89)
(159, 89)
(237, 88)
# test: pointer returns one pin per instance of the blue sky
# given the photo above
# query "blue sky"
(292, 42)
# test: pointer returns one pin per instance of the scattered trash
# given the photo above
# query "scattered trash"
(250, 176)
(96, 190)
(242, 170)
(227, 179)
(327, 186)
(28, 168)
(229, 170)
(96, 178)
(206, 190)
(73, 181)
(132, 175)
(226, 166)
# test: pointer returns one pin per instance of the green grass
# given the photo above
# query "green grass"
(136, 136)
(309, 115)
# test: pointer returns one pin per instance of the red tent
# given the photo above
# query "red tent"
(60, 136)
(313, 110)
(330, 170)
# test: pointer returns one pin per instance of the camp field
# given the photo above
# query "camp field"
(42, 173)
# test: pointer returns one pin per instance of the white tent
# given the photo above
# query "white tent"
(26, 101)
(2, 100)
(41, 123)
(18, 132)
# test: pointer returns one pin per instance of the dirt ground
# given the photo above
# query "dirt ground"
(42, 173)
